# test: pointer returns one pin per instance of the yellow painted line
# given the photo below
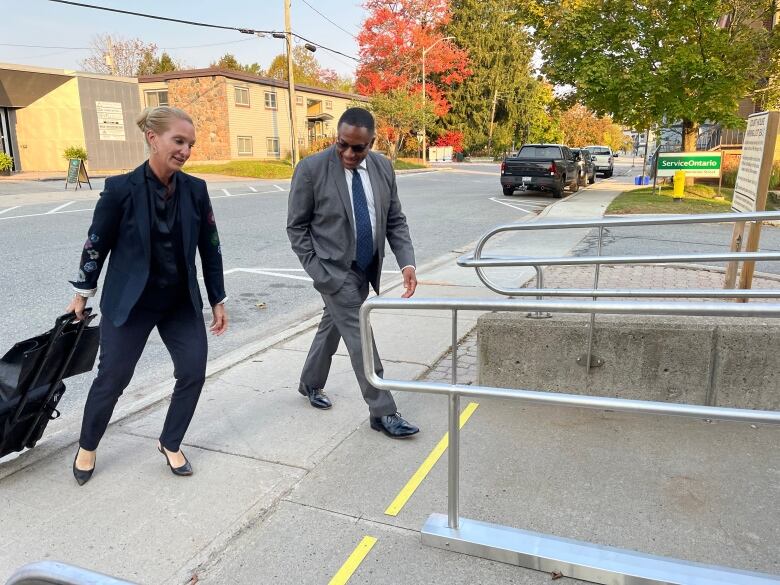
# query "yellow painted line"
(353, 562)
(408, 490)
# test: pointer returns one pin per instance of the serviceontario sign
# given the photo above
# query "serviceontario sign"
(695, 164)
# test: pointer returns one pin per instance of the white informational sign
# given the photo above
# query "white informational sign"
(757, 138)
(111, 122)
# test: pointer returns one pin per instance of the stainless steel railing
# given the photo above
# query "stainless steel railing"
(454, 531)
(56, 573)
(480, 262)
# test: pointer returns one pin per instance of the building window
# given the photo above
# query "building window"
(270, 100)
(272, 146)
(158, 97)
(242, 96)
(245, 145)
(299, 100)
(328, 104)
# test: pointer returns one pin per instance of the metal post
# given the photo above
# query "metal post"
(454, 347)
(539, 286)
(593, 315)
(453, 460)
(425, 154)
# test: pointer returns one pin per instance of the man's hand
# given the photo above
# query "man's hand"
(410, 282)
(219, 323)
(77, 305)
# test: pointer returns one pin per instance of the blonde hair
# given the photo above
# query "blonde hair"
(158, 119)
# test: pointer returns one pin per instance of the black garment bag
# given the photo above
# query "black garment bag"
(31, 375)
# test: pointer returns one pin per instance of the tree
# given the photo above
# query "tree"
(656, 62)
(582, 127)
(502, 101)
(152, 65)
(114, 55)
(306, 69)
(398, 113)
(391, 43)
(229, 61)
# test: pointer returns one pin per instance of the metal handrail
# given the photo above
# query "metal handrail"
(57, 573)
(480, 262)
(454, 391)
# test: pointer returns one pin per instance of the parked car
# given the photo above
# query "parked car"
(543, 167)
(587, 167)
(603, 159)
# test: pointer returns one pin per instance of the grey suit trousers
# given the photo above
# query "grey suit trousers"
(341, 320)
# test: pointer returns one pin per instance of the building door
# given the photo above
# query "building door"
(6, 144)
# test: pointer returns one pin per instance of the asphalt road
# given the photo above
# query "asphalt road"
(268, 291)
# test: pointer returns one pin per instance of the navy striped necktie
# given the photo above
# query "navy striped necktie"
(364, 241)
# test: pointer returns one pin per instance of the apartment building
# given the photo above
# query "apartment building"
(240, 115)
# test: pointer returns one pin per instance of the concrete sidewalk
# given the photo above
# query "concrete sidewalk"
(283, 493)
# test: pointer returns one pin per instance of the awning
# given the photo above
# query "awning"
(319, 117)
(18, 89)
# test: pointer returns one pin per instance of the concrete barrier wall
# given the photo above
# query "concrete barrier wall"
(723, 362)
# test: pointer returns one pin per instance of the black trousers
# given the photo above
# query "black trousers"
(183, 332)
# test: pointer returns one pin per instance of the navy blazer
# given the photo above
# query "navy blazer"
(121, 226)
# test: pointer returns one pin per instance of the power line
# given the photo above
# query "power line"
(248, 31)
(328, 19)
(90, 48)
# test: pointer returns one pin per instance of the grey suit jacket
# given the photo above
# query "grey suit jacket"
(320, 219)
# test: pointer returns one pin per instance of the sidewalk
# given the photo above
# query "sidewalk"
(283, 493)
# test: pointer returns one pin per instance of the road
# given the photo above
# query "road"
(268, 291)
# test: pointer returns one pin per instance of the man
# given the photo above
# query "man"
(343, 205)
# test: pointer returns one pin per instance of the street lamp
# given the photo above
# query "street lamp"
(424, 51)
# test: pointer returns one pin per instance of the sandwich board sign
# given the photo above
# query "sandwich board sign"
(751, 188)
(77, 173)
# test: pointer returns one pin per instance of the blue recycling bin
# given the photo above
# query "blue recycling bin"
(641, 180)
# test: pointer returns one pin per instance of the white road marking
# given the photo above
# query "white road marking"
(517, 207)
(9, 209)
(226, 192)
(47, 213)
(252, 189)
(63, 206)
(279, 188)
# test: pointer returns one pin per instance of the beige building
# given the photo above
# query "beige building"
(240, 115)
(44, 111)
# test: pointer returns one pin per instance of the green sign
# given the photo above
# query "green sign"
(695, 164)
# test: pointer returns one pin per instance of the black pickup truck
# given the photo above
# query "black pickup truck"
(545, 167)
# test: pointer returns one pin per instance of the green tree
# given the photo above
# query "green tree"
(229, 61)
(398, 113)
(655, 62)
(152, 65)
(502, 102)
(307, 71)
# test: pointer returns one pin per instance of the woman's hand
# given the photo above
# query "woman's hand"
(77, 305)
(219, 323)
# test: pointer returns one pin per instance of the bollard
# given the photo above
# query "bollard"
(679, 184)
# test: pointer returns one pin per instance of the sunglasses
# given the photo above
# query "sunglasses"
(356, 148)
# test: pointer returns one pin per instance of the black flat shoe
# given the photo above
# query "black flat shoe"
(82, 475)
(184, 470)
(393, 425)
(317, 397)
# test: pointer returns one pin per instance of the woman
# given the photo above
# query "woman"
(151, 220)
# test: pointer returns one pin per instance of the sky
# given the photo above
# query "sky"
(47, 24)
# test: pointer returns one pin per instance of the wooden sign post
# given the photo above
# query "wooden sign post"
(750, 191)
(77, 173)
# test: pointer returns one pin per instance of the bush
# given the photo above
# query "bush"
(75, 152)
(316, 146)
(6, 162)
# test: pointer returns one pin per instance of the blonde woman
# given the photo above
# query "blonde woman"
(147, 224)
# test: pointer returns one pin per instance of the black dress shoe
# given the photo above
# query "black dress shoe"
(183, 470)
(82, 475)
(393, 425)
(317, 397)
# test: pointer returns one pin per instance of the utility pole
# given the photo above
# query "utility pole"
(290, 83)
(492, 120)
(109, 57)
